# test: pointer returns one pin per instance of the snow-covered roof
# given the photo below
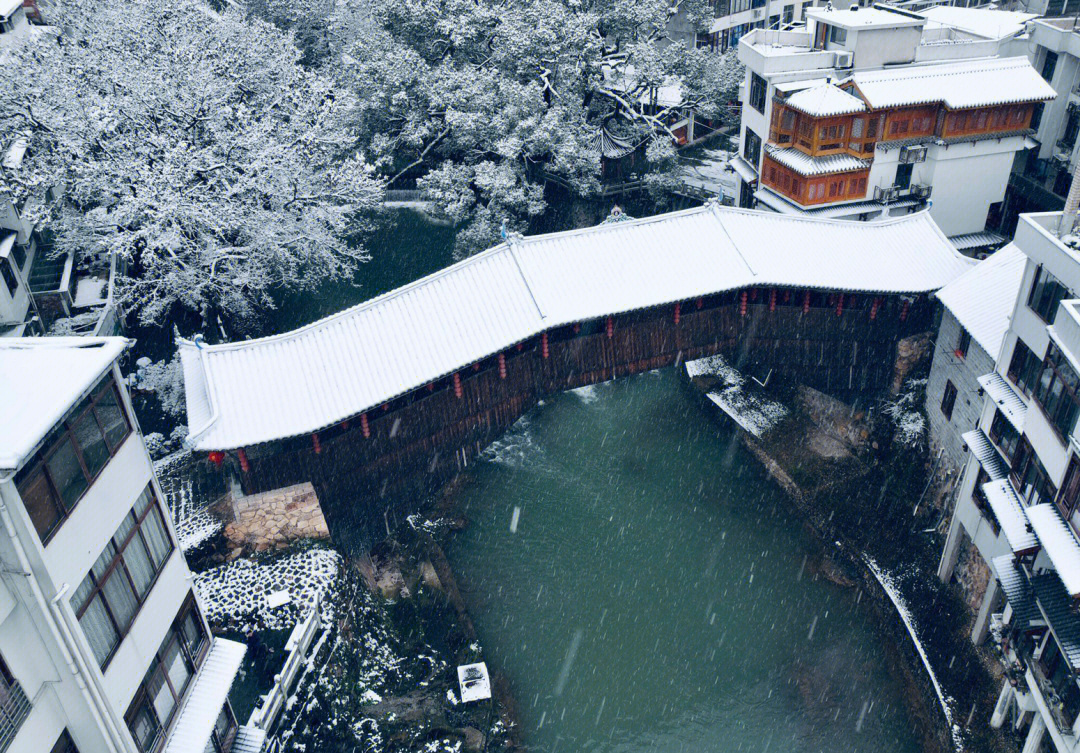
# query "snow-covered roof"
(41, 378)
(602, 143)
(793, 86)
(7, 7)
(245, 393)
(206, 698)
(1005, 398)
(968, 241)
(1009, 511)
(824, 100)
(968, 83)
(990, 23)
(804, 164)
(989, 458)
(1017, 589)
(7, 242)
(1059, 610)
(983, 299)
(1059, 543)
(863, 18)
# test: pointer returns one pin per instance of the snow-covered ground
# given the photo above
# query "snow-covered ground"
(235, 593)
(891, 589)
(193, 521)
(740, 398)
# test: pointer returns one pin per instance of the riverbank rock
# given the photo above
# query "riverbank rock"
(834, 573)
(429, 577)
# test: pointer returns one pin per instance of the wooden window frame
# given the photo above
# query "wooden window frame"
(948, 399)
(65, 431)
(117, 562)
(1059, 369)
(157, 664)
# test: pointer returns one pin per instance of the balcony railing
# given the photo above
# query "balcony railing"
(14, 708)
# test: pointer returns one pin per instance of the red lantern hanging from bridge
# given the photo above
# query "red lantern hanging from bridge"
(610, 327)
(544, 351)
(502, 366)
(364, 426)
(315, 444)
(840, 304)
(874, 307)
(772, 299)
(242, 456)
(458, 392)
(742, 303)
(904, 311)
(678, 312)
(216, 457)
(806, 302)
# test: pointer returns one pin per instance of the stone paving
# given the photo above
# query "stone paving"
(272, 519)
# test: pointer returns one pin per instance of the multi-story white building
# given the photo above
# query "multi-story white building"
(1018, 502)
(1041, 176)
(18, 249)
(869, 112)
(103, 646)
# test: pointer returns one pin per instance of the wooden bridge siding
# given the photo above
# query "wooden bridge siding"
(438, 434)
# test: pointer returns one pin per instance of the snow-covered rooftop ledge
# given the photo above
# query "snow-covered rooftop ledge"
(204, 701)
(246, 393)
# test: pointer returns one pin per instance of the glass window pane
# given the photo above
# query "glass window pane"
(91, 442)
(161, 696)
(144, 500)
(99, 630)
(120, 597)
(144, 727)
(123, 530)
(177, 667)
(112, 418)
(66, 473)
(157, 538)
(40, 504)
(105, 559)
(82, 593)
(192, 633)
(139, 565)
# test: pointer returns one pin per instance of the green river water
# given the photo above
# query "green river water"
(659, 594)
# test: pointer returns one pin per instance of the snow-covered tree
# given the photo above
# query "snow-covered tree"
(480, 101)
(194, 146)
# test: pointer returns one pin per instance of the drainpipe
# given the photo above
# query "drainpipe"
(118, 742)
(103, 724)
(1072, 204)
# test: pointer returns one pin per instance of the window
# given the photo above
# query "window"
(964, 344)
(167, 678)
(758, 88)
(10, 282)
(1031, 478)
(752, 147)
(224, 732)
(1024, 368)
(1056, 392)
(14, 706)
(948, 400)
(1069, 500)
(64, 744)
(1046, 294)
(111, 594)
(74, 454)
(1004, 435)
(1049, 65)
(837, 35)
(903, 175)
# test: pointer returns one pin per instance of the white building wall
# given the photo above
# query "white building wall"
(967, 178)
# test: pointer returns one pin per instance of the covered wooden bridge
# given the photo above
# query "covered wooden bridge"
(389, 399)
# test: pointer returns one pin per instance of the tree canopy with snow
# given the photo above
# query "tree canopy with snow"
(191, 144)
(481, 101)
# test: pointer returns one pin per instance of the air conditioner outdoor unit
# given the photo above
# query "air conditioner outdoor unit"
(885, 195)
(909, 154)
(844, 59)
(756, 13)
(921, 191)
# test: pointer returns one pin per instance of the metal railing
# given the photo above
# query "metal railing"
(266, 712)
(14, 708)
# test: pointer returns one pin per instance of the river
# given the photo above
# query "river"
(655, 592)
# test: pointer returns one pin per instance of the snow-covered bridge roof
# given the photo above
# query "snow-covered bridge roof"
(245, 393)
